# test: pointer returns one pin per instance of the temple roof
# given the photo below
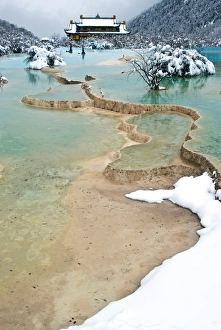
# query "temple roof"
(95, 25)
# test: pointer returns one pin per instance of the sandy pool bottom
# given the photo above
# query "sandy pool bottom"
(108, 245)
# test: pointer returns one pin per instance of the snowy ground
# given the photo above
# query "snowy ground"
(184, 293)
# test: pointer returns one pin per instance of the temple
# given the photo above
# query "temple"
(95, 26)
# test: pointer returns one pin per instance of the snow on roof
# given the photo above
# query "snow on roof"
(95, 25)
(97, 22)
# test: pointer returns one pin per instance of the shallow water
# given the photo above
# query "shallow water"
(200, 93)
(40, 148)
(164, 148)
(42, 151)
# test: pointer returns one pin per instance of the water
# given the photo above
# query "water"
(200, 93)
(43, 151)
(163, 148)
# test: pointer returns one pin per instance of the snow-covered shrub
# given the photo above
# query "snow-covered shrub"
(99, 44)
(2, 51)
(32, 51)
(41, 57)
(188, 62)
(3, 80)
(157, 62)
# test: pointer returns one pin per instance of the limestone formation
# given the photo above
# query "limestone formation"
(199, 165)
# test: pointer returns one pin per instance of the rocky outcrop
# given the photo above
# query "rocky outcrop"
(65, 81)
(88, 78)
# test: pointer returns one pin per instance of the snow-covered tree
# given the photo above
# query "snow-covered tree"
(157, 62)
(14, 39)
(149, 68)
(199, 21)
(41, 57)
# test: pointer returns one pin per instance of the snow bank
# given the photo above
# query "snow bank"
(39, 58)
(184, 293)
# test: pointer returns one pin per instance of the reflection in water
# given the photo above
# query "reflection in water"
(155, 97)
(189, 83)
(35, 76)
(83, 52)
(175, 86)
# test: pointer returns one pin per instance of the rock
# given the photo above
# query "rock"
(88, 78)
(3, 80)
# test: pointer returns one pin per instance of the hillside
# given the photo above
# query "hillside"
(15, 39)
(187, 23)
(197, 20)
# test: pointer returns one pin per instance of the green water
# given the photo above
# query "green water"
(202, 93)
(164, 148)
(43, 151)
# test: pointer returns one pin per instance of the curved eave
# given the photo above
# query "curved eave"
(81, 25)
(68, 32)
